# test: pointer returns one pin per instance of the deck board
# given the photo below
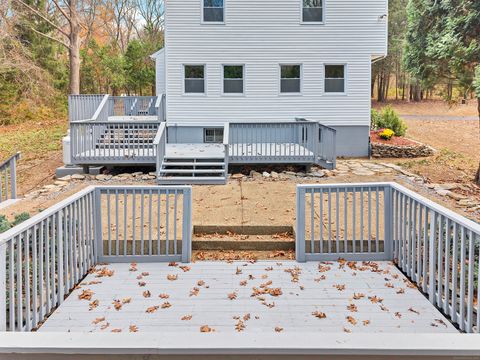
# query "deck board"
(292, 311)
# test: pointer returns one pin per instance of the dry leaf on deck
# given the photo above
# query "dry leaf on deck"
(352, 320)
(185, 268)
(133, 328)
(172, 277)
(278, 329)
(86, 295)
(206, 329)
(147, 294)
(93, 305)
(186, 317)
(152, 309)
(166, 305)
(232, 296)
(319, 314)
(352, 308)
(98, 320)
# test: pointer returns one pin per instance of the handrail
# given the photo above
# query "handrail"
(9, 170)
(160, 144)
(103, 105)
(161, 130)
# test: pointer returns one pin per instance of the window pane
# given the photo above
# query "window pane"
(335, 85)
(194, 71)
(213, 3)
(213, 14)
(233, 86)
(290, 71)
(334, 71)
(233, 72)
(290, 86)
(214, 135)
(312, 3)
(194, 86)
(312, 14)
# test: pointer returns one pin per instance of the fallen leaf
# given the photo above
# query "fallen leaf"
(117, 305)
(104, 272)
(232, 296)
(116, 330)
(206, 329)
(389, 285)
(278, 329)
(147, 294)
(240, 326)
(239, 271)
(104, 326)
(126, 300)
(172, 277)
(411, 309)
(358, 296)
(186, 317)
(401, 291)
(173, 263)
(243, 283)
(352, 308)
(142, 283)
(133, 328)
(366, 322)
(145, 273)
(166, 305)
(133, 267)
(352, 320)
(185, 268)
(320, 278)
(384, 308)
(152, 309)
(98, 320)
(375, 299)
(398, 315)
(163, 296)
(319, 314)
(200, 282)
(93, 305)
(339, 287)
(86, 295)
(440, 321)
(194, 291)
(347, 330)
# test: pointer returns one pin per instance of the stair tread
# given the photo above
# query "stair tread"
(194, 163)
(193, 171)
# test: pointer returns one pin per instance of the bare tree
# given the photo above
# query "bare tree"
(152, 13)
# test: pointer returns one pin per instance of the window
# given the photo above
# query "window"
(213, 11)
(312, 11)
(233, 79)
(334, 78)
(290, 78)
(213, 135)
(194, 79)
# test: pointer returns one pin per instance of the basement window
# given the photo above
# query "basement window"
(213, 11)
(335, 79)
(194, 79)
(213, 135)
(312, 11)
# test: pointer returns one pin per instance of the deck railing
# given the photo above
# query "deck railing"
(110, 142)
(438, 249)
(299, 141)
(160, 145)
(160, 107)
(8, 178)
(132, 105)
(83, 107)
(45, 257)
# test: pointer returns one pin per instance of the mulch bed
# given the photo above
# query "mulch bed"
(396, 140)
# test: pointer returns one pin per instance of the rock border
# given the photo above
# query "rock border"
(380, 150)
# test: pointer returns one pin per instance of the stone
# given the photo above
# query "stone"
(237, 176)
(447, 186)
(301, 174)
(66, 178)
(50, 186)
(61, 183)
(291, 173)
(363, 172)
(78, 177)
(456, 196)
(317, 174)
(148, 177)
(103, 177)
(137, 173)
(125, 176)
(152, 173)
(380, 150)
(255, 174)
(442, 192)
(266, 174)
(274, 175)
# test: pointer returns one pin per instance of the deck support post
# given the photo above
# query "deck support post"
(300, 226)
(3, 287)
(86, 169)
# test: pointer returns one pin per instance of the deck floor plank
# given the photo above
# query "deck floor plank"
(211, 306)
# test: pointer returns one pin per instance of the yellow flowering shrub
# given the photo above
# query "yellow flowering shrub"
(386, 134)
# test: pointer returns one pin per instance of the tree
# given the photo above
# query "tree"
(476, 86)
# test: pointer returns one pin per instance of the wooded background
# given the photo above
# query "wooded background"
(50, 48)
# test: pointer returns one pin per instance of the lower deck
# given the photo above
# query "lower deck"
(252, 297)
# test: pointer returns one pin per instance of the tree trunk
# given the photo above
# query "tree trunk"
(74, 51)
(477, 177)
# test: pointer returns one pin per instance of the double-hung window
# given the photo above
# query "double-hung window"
(335, 79)
(194, 79)
(312, 11)
(233, 79)
(213, 135)
(290, 79)
(213, 11)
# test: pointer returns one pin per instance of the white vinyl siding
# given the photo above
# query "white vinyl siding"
(262, 35)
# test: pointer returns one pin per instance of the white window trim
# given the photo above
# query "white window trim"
(345, 79)
(280, 93)
(204, 80)
(202, 20)
(313, 22)
(223, 80)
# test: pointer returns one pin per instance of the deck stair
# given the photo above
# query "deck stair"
(193, 171)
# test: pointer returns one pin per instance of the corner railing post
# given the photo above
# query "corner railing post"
(187, 226)
(13, 176)
(388, 213)
(300, 226)
(3, 287)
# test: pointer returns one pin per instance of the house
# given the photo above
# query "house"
(241, 81)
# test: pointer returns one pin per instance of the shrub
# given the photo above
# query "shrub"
(386, 134)
(375, 118)
(4, 224)
(20, 218)
(389, 119)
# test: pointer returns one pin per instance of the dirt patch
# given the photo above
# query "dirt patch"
(431, 107)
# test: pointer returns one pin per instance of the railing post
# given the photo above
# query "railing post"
(13, 177)
(97, 223)
(300, 226)
(187, 225)
(388, 212)
(3, 287)
(431, 254)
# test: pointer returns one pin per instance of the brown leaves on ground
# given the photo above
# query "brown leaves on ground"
(104, 326)
(86, 295)
(93, 305)
(104, 272)
(294, 273)
(98, 320)
(339, 287)
(346, 330)
(145, 273)
(166, 305)
(358, 296)
(323, 268)
(194, 291)
(366, 322)
(389, 285)
(142, 283)
(152, 309)
(240, 326)
(133, 267)
(200, 283)
(398, 315)
(127, 300)
(232, 296)
(278, 329)
(351, 320)
(133, 328)
(173, 264)
(411, 309)
(117, 305)
(401, 291)
(206, 329)
(172, 277)
(243, 283)
(319, 314)
(163, 296)
(147, 294)
(238, 271)
(185, 268)
(186, 317)
(320, 278)
(352, 308)
(116, 330)
(375, 299)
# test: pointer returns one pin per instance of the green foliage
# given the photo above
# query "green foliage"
(6, 225)
(389, 119)
(476, 81)
(375, 118)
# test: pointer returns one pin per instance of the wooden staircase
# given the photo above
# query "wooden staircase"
(193, 171)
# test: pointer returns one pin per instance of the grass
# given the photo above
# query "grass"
(34, 139)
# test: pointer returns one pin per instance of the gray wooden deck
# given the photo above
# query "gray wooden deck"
(403, 309)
